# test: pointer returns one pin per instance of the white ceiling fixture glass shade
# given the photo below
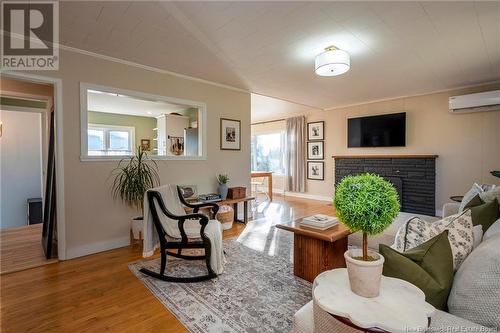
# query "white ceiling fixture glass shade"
(332, 62)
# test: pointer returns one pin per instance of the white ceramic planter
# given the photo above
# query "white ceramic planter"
(364, 276)
(137, 227)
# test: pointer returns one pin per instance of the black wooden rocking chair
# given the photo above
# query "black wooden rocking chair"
(183, 242)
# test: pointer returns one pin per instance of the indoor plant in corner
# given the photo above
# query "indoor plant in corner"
(132, 178)
(222, 179)
(366, 203)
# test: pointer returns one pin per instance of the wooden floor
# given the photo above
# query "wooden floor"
(21, 248)
(98, 293)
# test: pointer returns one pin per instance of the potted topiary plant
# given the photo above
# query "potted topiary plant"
(222, 179)
(366, 203)
(132, 178)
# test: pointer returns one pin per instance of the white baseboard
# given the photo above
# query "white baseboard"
(279, 191)
(308, 196)
(300, 195)
(79, 251)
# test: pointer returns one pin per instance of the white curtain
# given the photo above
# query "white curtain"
(295, 154)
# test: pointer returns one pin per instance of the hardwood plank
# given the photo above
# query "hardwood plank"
(21, 248)
(98, 293)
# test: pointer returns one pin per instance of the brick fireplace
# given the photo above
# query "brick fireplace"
(413, 176)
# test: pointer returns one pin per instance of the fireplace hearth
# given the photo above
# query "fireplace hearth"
(413, 176)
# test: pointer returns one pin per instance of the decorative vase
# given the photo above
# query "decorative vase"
(223, 191)
(364, 276)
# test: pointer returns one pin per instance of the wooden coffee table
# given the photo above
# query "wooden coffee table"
(315, 251)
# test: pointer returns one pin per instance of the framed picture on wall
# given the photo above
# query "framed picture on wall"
(230, 134)
(316, 131)
(315, 150)
(176, 145)
(146, 144)
(315, 170)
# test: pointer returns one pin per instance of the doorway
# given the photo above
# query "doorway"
(25, 113)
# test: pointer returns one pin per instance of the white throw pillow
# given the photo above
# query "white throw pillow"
(475, 190)
(417, 231)
(477, 232)
(493, 229)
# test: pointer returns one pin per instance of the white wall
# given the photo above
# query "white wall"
(94, 221)
(21, 168)
(468, 145)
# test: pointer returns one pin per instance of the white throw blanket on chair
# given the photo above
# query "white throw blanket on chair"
(213, 230)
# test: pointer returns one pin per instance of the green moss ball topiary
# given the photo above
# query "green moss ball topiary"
(366, 203)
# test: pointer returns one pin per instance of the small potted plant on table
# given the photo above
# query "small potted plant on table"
(366, 203)
(222, 179)
(132, 178)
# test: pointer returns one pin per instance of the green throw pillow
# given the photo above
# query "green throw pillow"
(428, 266)
(483, 213)
(476, 201)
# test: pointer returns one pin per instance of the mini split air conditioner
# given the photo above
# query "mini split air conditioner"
(485, 101)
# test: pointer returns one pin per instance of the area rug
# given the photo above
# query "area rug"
(256, 293)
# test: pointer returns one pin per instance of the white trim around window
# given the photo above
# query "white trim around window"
(202, 122)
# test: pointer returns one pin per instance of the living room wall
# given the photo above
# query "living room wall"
(94, 221)
(468, 145)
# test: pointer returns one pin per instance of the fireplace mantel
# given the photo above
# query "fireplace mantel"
(385, 156)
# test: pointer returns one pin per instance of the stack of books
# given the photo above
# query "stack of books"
(319, 221)
(211, 197)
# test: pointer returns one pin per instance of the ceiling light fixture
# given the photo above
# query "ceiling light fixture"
(332, 62)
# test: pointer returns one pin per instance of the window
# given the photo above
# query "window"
(116, 122)
(109, 140)
(267, 152)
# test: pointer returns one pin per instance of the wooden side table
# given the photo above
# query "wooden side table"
(269, 176)
(235, 203)
(315, 251)
(400, 306)
(457, 198)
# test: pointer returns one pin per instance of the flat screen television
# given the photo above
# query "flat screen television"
(388, 130)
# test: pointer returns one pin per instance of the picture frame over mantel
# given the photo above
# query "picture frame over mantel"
(316, 131)
(230, 134)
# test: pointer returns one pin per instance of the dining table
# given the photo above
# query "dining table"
(269, 176)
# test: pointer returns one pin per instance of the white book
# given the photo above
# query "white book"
(320, 219)
(319, 227)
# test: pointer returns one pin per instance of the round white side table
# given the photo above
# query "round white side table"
(400, 306)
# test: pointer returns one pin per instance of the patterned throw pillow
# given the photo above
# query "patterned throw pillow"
(417, 231)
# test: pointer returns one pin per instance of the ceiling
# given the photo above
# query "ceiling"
(397, 48)
(268, 108)
(131, 106)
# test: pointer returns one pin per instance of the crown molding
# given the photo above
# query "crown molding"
(413, 95)
(220, 85)
(183, 76)
(149, 68)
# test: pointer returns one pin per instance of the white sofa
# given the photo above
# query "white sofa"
(312, 319)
